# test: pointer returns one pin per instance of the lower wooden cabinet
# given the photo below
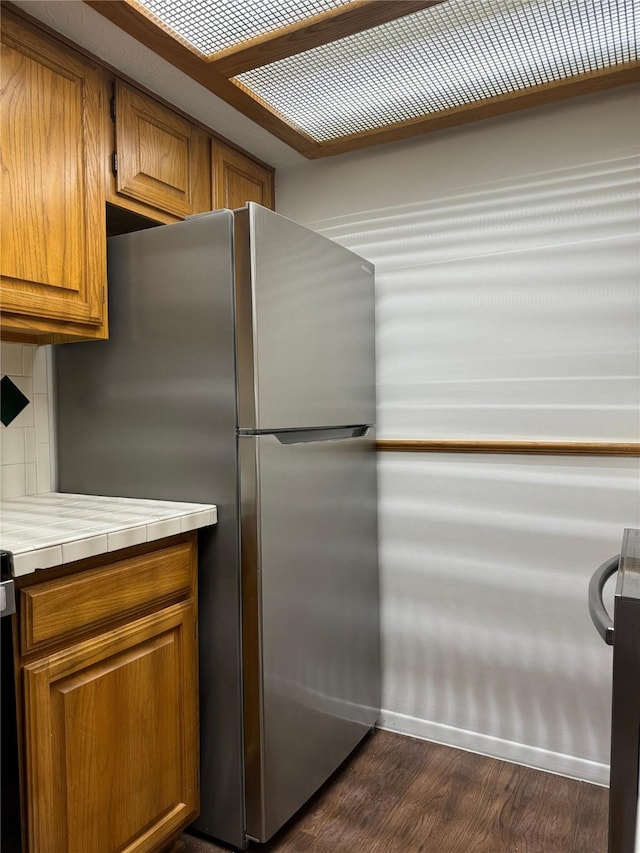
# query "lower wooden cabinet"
(110, 721)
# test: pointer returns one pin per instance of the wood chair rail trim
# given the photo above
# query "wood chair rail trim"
(543, 448)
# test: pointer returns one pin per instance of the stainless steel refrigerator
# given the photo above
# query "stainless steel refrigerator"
(240, 371)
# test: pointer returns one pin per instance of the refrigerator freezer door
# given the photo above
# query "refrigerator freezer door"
(310, 589)
(305, 326)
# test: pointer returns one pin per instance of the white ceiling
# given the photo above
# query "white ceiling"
(85, 27)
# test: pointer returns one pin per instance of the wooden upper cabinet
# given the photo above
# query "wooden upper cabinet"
(52, 230)
(161, 159)
(238, 179)
(73, 137)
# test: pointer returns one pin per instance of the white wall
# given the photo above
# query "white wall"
(508, 270)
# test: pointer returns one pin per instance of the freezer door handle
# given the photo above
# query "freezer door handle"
(299, 436)
(597, 610)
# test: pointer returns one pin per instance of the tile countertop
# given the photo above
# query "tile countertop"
(46, 530)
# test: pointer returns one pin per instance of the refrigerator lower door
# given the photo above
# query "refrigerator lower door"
(310, 613)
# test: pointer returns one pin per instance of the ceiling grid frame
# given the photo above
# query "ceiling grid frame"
(594, 47)
(257, 23)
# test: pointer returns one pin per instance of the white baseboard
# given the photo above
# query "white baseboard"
(506, 750)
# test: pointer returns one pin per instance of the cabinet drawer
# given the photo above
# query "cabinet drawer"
(82, 602)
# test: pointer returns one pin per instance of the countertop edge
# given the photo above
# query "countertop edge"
(38, 546)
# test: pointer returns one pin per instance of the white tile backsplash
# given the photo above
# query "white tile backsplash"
(41, 409)
(31, 478)
(40, 370)
(43, 470)
(11, 362)
(27, 360)
(13, 481)
(29, 445)
(25, 445)
(12, 447)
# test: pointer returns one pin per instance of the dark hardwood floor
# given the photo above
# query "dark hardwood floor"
(402, 795)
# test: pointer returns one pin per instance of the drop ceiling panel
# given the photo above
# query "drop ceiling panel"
(442, 58)
(328, 76)
(211, 27)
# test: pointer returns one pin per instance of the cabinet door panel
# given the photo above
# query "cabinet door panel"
(52, 239)
(155, 149)
(111, 738)
(238, 179)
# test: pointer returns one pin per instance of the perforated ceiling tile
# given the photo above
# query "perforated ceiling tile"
(443, 57)
(214, 25)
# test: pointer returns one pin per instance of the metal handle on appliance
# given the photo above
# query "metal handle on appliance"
(597, 610)
(7, 598)
(306, 436)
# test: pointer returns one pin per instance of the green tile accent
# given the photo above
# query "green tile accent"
(12, 401)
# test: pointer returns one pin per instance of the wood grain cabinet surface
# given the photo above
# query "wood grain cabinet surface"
(238, 179)
(52, 228)
(161, 163)
(109, 711)
(73, 139)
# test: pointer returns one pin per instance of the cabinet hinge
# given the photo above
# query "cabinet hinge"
(114, 163)
(112, 107)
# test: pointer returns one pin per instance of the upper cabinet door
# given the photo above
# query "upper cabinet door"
(52, 234)
(238, 179)
(157, 151)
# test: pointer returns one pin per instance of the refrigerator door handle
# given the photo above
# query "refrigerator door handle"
(299, 436)
(597, 610)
